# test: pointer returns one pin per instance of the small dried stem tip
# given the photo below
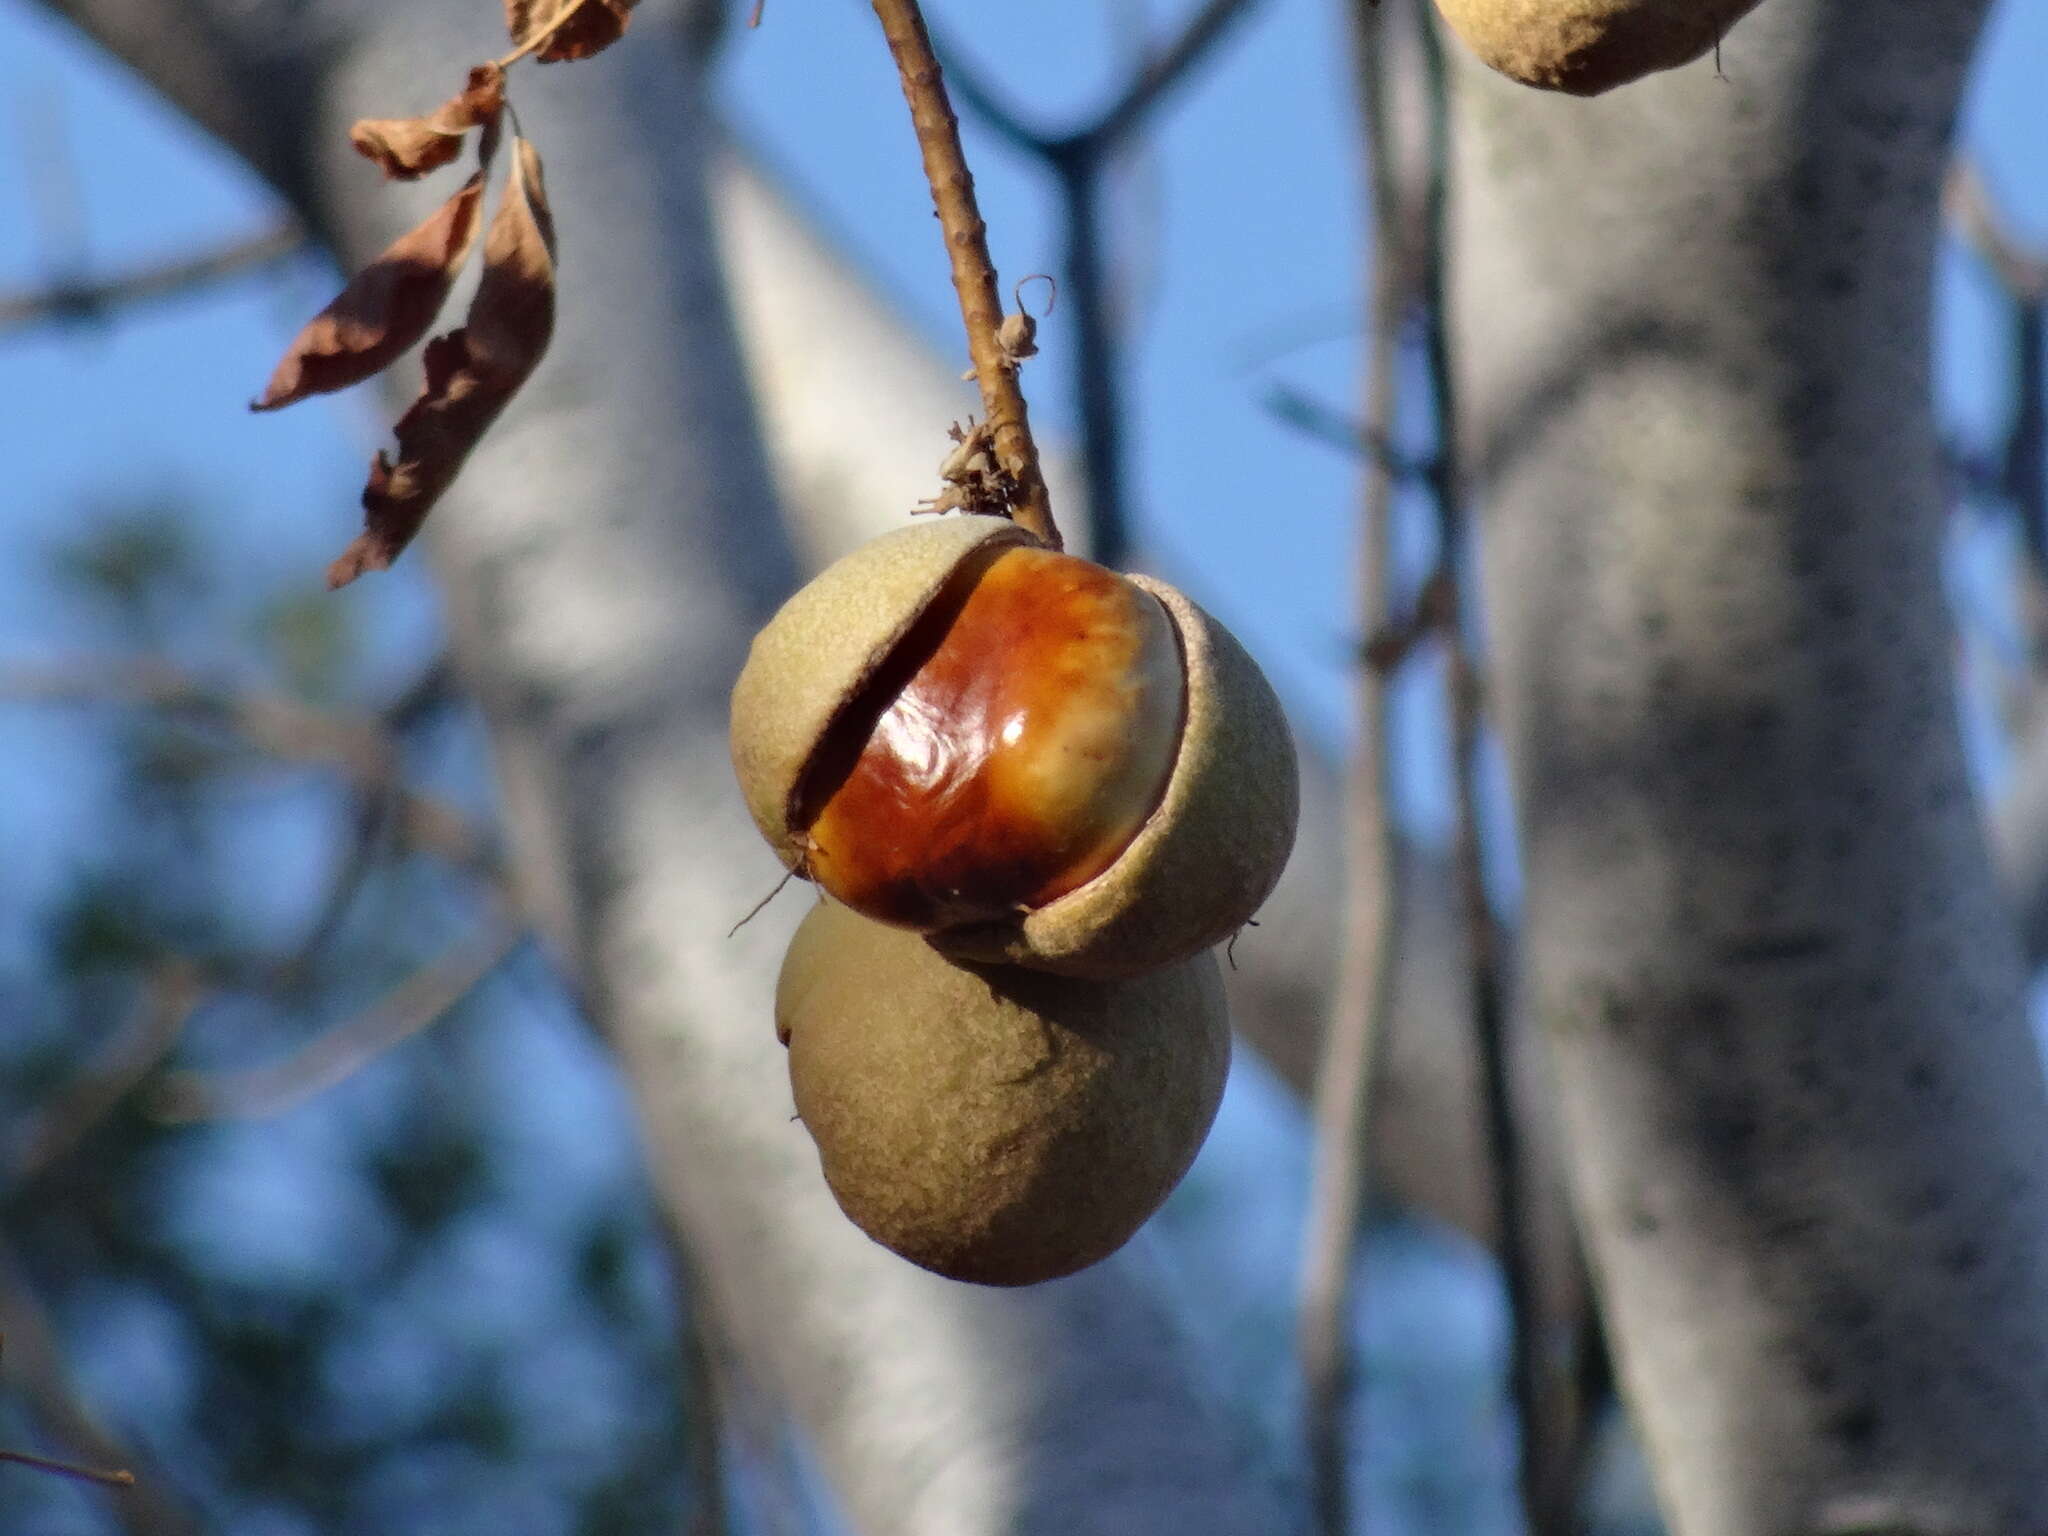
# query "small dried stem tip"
(106, 1479)
(974, 275)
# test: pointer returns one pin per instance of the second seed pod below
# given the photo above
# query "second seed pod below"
(990, 1123)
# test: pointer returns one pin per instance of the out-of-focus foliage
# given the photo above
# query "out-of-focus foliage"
(429, 1299)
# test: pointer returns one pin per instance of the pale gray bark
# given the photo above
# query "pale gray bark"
(2019, 843)
(605, 557)
(1784, 1007)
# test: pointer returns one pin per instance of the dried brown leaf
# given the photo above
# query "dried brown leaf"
(409, 147)
(384, 310)
(472, 374)
(555, 30)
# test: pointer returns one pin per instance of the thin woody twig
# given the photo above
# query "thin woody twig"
(1166, 70)
(1363, 1001)
(1545, 1504)
(1097, 358)
(1292, 408)
(35, 1365)
(974, 275)
(966, 81)
(1079, 159)
(360, 748)
(1154, 80)
(169, 999)
(365, 750)
(425, 996)
(1429, 616)
(85, 301)
(1977, 222)
(371, 815)
(377, 816)
(115, 1479)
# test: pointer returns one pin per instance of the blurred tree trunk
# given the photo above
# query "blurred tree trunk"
(1761, 925)
(1804, 1114)
(605, 557)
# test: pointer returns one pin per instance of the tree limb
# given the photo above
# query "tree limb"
(63, 1121)
(1783, 1009)
(75, 303)
(425, 996)
(1363, 1000)
(1164, 71)
(33, 1362)
(360, 748)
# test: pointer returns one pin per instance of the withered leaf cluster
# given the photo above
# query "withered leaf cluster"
(472, 374)
(385, 309)
(408, 147)
(557, 30)
(473, 371)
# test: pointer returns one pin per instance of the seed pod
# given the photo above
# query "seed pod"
(1025, 756)
(1589, 46)
(991, 1123)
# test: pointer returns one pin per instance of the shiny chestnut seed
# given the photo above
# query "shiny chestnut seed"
(1006, 753)
(871, 734)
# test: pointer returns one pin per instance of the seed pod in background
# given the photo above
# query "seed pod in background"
(990, 1123)
(1589, 46)
(1018, 753)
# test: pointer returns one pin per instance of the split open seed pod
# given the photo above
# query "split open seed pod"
(990, 1123)
(1020, 754)
(1589, 46)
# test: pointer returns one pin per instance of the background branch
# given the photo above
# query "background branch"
(1164, 71)
(85, 302)
(360, 748)
(1293, 408)
(32, 1361)
(1545, 1425)
(426, 995)
(1974, 216)
(61, 1123)
(1362, 1007)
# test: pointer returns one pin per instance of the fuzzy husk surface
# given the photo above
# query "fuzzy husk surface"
(1206, 859)
(993, 1124)
(1585, 47)
(810, 661)
(1202, 864)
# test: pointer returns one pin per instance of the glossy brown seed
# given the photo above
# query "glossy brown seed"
(1007, 752)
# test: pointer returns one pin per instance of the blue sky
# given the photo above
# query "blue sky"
(1242, 220)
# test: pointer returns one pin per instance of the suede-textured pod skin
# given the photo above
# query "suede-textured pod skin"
(826, 642)
(1199, 864)
(1585, 47)
(1208, 857)
(993, 1124)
